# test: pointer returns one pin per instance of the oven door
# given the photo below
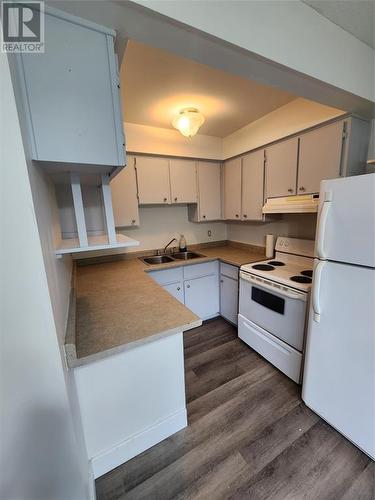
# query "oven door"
(277, 308)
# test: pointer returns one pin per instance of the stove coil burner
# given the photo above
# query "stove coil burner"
(301, 279)
(276, 263)
(308, 273)
(263, 267)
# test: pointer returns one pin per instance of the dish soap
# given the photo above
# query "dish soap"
(182, 244)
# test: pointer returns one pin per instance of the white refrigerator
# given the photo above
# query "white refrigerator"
(339, 371)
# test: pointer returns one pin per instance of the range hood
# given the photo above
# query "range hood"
(292, 204)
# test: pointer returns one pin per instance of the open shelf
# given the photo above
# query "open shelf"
(71, 245)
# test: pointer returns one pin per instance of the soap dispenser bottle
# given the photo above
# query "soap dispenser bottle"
(182, 244)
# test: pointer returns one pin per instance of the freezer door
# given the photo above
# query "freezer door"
(339, 372)
(346, 220)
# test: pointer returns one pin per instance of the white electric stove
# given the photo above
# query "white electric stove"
(274, 296)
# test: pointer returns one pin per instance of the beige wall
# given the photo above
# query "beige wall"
(293, 225)
(145, 139)
(160, 224)
(288, 119)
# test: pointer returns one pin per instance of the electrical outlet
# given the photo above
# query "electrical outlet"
(209, 233)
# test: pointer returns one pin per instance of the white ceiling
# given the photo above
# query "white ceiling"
(355, 16)
(156, 84)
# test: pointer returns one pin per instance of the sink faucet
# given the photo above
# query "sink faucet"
(167, 245)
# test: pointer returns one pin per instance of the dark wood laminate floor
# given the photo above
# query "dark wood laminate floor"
(249, 437)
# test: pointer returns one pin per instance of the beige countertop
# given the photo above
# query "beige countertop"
(118, 306)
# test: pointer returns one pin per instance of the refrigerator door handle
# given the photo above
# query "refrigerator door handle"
(316, 290)
(322, 225)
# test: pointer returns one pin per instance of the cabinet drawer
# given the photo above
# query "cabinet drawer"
(229, 270)
(281, 355)
(165, 276)
(203, 269)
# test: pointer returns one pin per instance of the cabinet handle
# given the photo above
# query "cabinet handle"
(244, 216)
(290, 190)
(165, 200)
(302, 188)
(237, 215)
(175, 199)
(204, 216)
(178, 288)
(133, 221)
(187, 286)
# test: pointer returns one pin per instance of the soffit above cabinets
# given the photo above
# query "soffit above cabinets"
(156, 84)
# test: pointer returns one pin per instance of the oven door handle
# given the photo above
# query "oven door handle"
(274, 287)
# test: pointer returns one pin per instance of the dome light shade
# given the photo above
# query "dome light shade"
(188, 121)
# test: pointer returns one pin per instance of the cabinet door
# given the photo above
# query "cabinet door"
(281, 168)
(202, 296)
(232, 189)
(319, 157)
(124, 196)
(183, 181)
(229, 298)
(153, 180)
(71, 95)
(253, 185)
(209, 190)
(176, 289)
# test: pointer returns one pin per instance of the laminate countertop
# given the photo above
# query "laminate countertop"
(117, 306)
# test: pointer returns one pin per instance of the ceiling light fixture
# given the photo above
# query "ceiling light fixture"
(188, 121)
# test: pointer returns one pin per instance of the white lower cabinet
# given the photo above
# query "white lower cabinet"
(177, 290)
(196, 286)
(229, 292)
(202, 296)
(229, 298)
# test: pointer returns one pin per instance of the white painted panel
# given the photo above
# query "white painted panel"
(232, 189)
(202, 296)
(183, 181)
(177, 290)
(165, 276)
(125, 394)
(253, 185)
(124, 196)
(339, 375)
(281, 355)
(209, 190)
(281, 168)
(229, 298)
(319, 157)
(153, 180)
(71, 101)
(203, 269)
(346, 227)
(229, 270)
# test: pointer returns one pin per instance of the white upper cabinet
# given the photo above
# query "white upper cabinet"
(70, 94)
(124, 196)
(209, 192)
(252, 185)
(281, 168)
(183, 176)
(232, 189)
(319, 157)
(153, 180)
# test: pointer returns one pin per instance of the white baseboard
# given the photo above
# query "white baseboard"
(136, 444)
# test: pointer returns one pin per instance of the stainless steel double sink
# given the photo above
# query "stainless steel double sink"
(164, 259)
